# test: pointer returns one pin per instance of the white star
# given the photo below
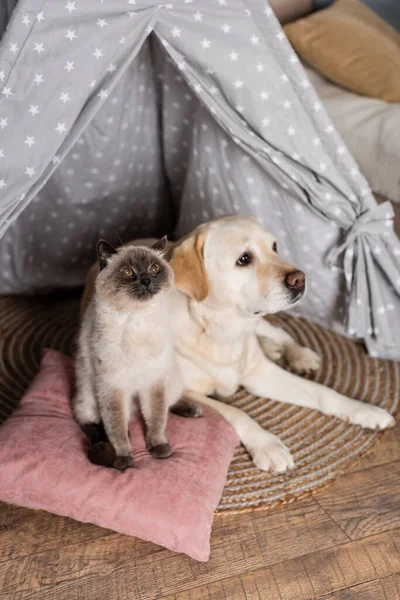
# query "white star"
(38, 78)
(30, 171)
(226, 28)
(132, 2)
(340, 150)
(26, 21)
(213, 90)
(265, 122)
(2, 155)
(197, 88)
(221, 2)
(98, 53)
(61, 128)
(254, 40)
(4, 123)
(284, 78)
(291, 131)
(103, 94)
(169, 6)
(39, 48)
(280, 36)
(205, 43)
(56, 160)
(2, 75)
(305, 84)
(13, 48)
(377, 250)
(30, 141)
(111, 68)
(70, 6)
(233, 55)
(6, 91)
(381, 310)
(316, 141)
(260, 67)
(354, 172)
(198, 16)
(122, 41)
(70, 66)
(239, 108)
(293, 59)
(296, 156)
(92, 83)
(176, 32)
(264, 95)
(2, 184)
(322, 166)
(101, 23)
(40, 17)
(329, 129)
(287, 104)
(71, 35)
(390, 306)
(65, 97)
(238, 84)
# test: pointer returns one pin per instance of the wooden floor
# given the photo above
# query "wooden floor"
(341, 544)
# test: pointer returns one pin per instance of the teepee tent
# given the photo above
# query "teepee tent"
(137, 117)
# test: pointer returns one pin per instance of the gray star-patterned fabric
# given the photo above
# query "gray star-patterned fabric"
(132, 118)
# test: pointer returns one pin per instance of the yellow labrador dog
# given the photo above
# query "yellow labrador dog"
(228, 275)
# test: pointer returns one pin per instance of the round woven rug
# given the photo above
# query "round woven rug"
(323, 447)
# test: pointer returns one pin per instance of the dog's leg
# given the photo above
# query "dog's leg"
(275, 343)
(271, 381)
(265, 448)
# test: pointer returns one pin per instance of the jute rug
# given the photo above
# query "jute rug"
(323, 447)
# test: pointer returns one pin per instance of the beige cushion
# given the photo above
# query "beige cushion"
(352, 46)
(371, 130)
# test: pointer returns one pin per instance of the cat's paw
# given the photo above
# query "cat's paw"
(160, 451)
(123, 462)
(183, 408)
(301, 359)
(371, 417)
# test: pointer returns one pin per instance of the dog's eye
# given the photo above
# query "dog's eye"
(154, 269)
(244, 260)
(275, 247)
(126, 271)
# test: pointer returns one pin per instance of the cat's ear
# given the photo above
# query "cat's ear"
(187, 262)
(104, 251)
(160, 245)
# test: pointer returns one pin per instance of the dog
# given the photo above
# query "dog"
(228, 276)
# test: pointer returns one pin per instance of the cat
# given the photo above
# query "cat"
(125, 358)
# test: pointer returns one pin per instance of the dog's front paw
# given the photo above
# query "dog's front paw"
(371, 417)
(302, 359)
(270, 454)
(271, 350)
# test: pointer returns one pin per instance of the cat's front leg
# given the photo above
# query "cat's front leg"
(115, 413)
(154, 407)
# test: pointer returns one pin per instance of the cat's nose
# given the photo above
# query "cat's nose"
(145, 280)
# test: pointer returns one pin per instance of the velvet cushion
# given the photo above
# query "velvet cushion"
(353, 47)
(170, 502)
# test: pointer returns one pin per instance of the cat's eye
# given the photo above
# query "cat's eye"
(154, 269)
(275, 247)
(126, 271)
(244, 260)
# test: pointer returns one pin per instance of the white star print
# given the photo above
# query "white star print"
(296, 156)
(322, 166)
(30, 171)
(13, 48)
(287, 104)
(39, 48)
(98, 53)
(61, 128)
(340, 150)
(38, 78)
(70, 6)
(239, 108)
(305, 84)
(70, 66)
(65, 97)
(293, 59)
(4, 122)
(381, 310)
(111, 68)
(30, 141)
(280, 36)
(26, 21)
(260, 67)
(198, 16)
(2, 184)
(122, 41)
(132, 2)
(71, 35)
(169, 6)
(2, 75)
(233, 55)
(205, 43)
(2, 155)
(92, 83)
(176, 32)
(390, 306)
(101, 23)
(7, 92)
(284, 78)
(103, 94)
(291, 131)
(213, 90)
(222, 2)
(329, 129)
(265, 122)
(56, 160)
(264, 95)
(238, 84)
(254, 40)
(316, 141)
(226, 28)
(40, 17)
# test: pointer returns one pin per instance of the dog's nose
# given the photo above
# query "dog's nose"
(145, 280)
(295, 280)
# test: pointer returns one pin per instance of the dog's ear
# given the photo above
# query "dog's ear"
(104, 250)
(187, 262)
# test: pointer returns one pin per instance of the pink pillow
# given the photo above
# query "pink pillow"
(170, 502)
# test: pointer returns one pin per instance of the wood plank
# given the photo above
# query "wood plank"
(24, 531)
(365, 502)
(330, 573)
(114, 565)
(381, 589)
(385, 449)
